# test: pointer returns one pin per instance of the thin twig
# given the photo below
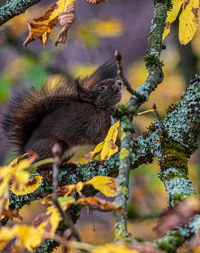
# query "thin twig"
(57, 154)
(118, 58)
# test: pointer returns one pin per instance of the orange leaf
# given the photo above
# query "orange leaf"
(40, 28)
(12, 214)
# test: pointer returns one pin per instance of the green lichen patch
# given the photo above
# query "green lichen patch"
(179, 197)
(170, 242)
(168, 3)
(174, 156)
(152, 60)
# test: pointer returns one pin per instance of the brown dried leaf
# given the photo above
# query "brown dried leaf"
(178, 215)
(12, 214)
(66, 19)
(100, 204)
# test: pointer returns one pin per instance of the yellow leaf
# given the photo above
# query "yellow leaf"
(188, 21)
(106, 185)
(40, 28)
(29, 187)
(16, 174)
(66, 190)
(171, 16)
(97, 150)
(107, 28)
(22, 233)
(79, 187)
(123, 153)
(46, 222)
(107, 147)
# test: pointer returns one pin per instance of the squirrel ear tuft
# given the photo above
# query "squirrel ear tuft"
(106, 71)
(84, 94)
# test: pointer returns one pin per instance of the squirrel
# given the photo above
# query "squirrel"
(75, 114)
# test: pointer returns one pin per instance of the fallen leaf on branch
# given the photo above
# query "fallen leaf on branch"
(106, 185)
(108, 146)
(178, 215)
(100, 204)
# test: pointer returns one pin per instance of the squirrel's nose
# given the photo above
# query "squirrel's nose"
(118, 84)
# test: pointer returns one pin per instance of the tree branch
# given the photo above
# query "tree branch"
(154, 77)
(14, 8)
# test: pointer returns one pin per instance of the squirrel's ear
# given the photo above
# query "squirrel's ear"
(106, 71)
(85, 94)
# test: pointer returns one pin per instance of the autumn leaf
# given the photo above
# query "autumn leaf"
(40, 28)
(66, 190)
(16, 173)
(188, 20)
(100, 204)
(12, 214)
(108, 146)
(171, 16)
(22, 235)
(28, 187)
(106, 185)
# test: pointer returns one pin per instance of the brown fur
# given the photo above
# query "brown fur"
(78, 115)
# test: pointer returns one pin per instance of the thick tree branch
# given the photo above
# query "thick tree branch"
(14, 8)
(154, 77)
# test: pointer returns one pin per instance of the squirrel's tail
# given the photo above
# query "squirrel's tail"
(27, 108)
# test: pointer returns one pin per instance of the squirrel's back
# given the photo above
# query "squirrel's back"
(27, 109)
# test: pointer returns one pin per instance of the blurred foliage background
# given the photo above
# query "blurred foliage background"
(97, 32)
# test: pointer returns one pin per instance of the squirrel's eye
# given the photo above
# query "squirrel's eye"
(102, 88)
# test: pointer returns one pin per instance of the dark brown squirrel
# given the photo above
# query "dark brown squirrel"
(73, 114)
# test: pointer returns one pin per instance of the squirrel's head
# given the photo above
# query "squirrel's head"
(102, 88)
